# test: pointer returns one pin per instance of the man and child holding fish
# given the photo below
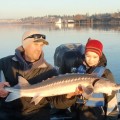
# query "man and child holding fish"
(29, 68)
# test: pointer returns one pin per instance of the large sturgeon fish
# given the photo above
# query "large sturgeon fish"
(59, 85)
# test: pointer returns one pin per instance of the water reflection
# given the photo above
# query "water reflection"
(62, 27)
(11, 35)
(107, 27)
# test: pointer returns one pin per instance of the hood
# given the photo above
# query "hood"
(41, 63)
(103, 61)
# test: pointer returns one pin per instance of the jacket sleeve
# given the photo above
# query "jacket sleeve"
(0, 64)
(61, 102)
(111, 108)
(0, 70)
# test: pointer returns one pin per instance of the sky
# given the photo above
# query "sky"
(37, 8)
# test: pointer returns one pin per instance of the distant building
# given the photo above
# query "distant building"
(70, 21)
(59, 21)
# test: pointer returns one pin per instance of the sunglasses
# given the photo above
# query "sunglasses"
(36, 36)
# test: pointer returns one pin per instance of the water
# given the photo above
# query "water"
(11, 35)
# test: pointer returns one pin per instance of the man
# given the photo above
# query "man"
(29, 63)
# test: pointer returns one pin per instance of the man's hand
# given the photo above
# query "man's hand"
(78, 91)
(3, 93)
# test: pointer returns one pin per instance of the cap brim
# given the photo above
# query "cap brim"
(42, 40)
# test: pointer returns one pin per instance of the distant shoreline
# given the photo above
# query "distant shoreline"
(105, 18)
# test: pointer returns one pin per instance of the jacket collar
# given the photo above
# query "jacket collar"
(41, 63)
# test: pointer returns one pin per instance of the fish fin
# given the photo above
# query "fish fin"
(36, 99)
(11, 97)
(93, 74)
(87, 91)
(22, 82)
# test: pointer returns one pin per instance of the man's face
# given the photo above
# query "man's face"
(33, 51)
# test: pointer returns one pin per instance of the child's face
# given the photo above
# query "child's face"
(91, 58)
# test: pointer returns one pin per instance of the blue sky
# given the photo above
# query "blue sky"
(25, 8)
